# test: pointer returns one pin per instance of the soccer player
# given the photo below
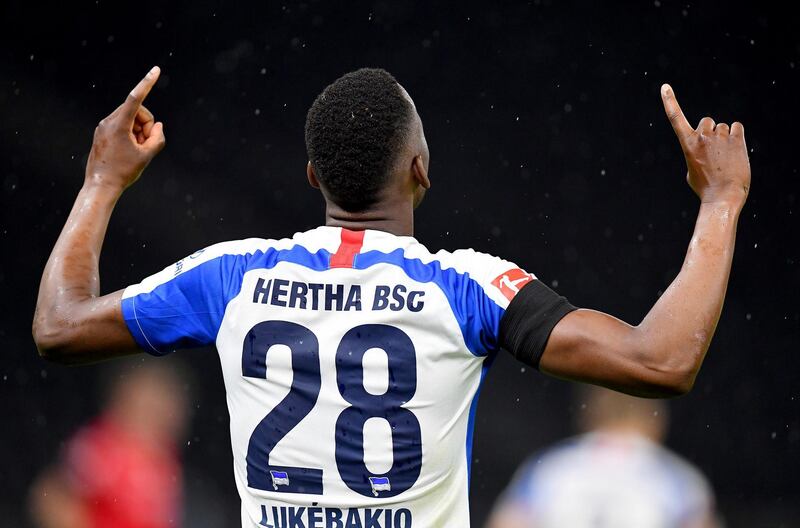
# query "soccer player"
(352, 355)
(615, 475)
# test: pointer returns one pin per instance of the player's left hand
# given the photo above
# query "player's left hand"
(126, 140)
(716, 155)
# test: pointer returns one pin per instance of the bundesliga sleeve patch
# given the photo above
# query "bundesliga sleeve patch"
(510, 282)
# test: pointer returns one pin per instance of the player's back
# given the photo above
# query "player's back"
(352, 362)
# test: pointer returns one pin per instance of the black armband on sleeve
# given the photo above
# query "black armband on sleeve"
(529, 319)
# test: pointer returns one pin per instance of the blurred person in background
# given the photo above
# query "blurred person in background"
(615, 475)
(122, 469)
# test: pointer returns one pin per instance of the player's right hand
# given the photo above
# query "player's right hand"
(126, 140)
(716, 155)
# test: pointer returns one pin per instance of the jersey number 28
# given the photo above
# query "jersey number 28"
(349, 434)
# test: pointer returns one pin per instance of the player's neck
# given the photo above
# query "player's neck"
(396, 218)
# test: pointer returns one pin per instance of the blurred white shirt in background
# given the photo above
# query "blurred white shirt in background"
(606, 480)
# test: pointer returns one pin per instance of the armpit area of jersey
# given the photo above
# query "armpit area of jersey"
(529, 319)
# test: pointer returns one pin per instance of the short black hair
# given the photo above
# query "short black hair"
(354, 131)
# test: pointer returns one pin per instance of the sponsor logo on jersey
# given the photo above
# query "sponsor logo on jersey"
(279, 478)
(510, 282)
(379, 484)
(179, 264)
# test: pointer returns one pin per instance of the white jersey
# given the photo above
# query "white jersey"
(610, 480)
(352, 364)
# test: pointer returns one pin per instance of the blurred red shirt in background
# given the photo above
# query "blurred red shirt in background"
(121, 481)
(122, 470)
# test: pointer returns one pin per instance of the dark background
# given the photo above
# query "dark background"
(549, 147)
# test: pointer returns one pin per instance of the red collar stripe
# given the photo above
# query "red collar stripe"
(348, 249)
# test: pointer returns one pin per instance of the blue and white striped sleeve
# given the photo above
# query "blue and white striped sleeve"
(182, 306)
(512, 309)
(493, 283)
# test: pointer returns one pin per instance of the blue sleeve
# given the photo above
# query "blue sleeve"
(478, 315)
(183, 305)
(483, 295)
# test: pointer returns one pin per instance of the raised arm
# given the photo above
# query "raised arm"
(662, 355)
(73, 323)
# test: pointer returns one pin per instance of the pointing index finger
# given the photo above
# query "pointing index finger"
(675, 115)
(135, 99)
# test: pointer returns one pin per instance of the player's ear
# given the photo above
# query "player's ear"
(312, 177)
(420, 172)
